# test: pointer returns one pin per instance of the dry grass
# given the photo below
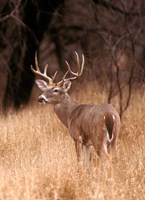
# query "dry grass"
(38, 161)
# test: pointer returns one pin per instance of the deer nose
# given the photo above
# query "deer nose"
(42, 99)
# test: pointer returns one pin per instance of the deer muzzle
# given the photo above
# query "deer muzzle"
(42, 99)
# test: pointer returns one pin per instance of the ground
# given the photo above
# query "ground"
(38, 160)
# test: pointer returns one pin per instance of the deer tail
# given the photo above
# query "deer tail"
(110, 137)
(109, 123)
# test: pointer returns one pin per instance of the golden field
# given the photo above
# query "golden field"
(38, 160)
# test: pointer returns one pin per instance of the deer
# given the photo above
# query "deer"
(89, 125)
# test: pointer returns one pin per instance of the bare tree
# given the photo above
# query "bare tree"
(21, 31)
(109, 33)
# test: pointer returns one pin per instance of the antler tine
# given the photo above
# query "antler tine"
(37, 71)
(45, 69)
(54, 76)
(65, 75)
(36, 62)
(80, 68)
(69, 68)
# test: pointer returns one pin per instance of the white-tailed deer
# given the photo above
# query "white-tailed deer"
(88, 125)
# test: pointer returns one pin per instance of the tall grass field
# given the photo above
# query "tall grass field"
(38, 159)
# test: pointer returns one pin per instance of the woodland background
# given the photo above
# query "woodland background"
(110, 33)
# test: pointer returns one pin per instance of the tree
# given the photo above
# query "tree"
(109, 33)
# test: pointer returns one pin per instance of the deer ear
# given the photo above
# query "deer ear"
(66, 86)
(41, 84)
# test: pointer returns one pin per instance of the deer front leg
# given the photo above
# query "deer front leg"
(88, 158)
(79, 150)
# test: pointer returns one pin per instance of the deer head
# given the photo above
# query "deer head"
(53, 92)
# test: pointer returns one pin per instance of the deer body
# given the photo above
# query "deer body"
(88, 125)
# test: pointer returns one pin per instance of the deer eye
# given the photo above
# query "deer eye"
(56, 90)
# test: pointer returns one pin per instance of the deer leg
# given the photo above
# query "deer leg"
(105, 147)
(88, 158)
(112, 146)
(100, 144)
(79, 150)
(76, 148)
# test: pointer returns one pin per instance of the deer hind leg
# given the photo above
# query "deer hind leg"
(99, 142)
(105, 147)
(111, 146)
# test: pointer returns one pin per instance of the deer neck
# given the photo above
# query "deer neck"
(64, 108)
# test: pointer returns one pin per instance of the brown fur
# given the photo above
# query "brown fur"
(91, 123)
(88, 125)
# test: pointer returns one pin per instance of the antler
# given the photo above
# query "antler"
(51, 80)
(44, 75)
(80, 68)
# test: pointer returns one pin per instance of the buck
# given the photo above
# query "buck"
(88, 125)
